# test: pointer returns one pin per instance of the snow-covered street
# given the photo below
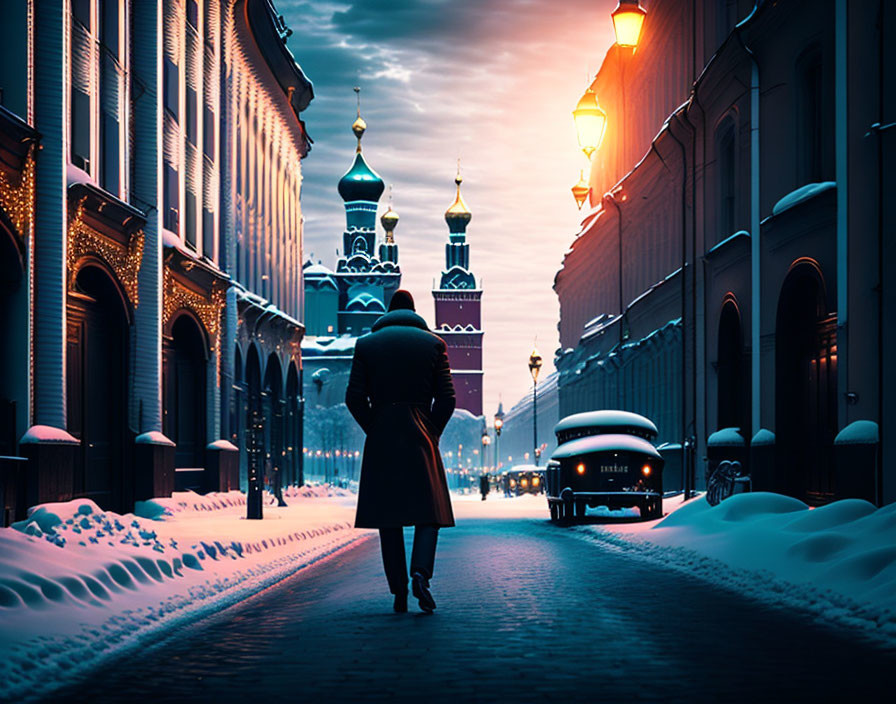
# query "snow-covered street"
(88, 597)
(79, 585)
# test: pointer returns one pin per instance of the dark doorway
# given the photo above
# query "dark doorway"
(253, 415)
(97, 363)
(293, 440)
(805, 386)
(273, 413)
(185, 391)
(13, 380)
(732, 407)
(236, 399)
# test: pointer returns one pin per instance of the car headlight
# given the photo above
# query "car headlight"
(534, 481)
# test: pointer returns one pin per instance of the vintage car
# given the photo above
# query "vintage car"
(604, 458)
(524, 479)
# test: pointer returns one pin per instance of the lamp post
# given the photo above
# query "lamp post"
(499, 423)
(534, 368)
(486, 441)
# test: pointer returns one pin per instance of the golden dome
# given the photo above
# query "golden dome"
(458, 213)
(389, 220)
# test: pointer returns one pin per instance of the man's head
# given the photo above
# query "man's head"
(401, 300)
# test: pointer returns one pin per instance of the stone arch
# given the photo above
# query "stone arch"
(805, 385)
(97, 382)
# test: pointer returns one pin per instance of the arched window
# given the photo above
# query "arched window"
(815, 118)
(726, 182)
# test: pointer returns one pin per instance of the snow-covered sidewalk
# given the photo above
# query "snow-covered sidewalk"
(78, 585)
(837, 561)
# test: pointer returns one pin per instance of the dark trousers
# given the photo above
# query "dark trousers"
(423, 556)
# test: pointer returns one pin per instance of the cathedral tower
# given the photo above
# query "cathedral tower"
(458, 301)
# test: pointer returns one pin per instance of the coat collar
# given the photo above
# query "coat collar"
(400, 317)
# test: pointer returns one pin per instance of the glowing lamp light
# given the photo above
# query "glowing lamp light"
(628, 19)
(580, 467)
(645, 470)
(580, 190)
(591, 123)
(535, 481)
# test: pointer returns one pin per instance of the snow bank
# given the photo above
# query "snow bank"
(838, 561)
(78, 584)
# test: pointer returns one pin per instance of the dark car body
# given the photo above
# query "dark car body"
(604, 458)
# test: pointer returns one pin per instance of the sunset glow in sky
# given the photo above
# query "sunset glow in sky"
(493, 82)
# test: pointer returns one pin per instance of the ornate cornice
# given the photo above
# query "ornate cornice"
(206, 307)
(124, 259)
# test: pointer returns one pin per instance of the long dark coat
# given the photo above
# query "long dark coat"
(401, 394)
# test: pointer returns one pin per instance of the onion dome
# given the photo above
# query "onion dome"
(389, 220)
(458, 215)
(360, 182)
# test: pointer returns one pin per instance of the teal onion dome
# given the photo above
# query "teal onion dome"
(361, 182)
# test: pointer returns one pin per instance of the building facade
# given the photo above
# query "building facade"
(125, 311)
(458, 309)
(737, 211)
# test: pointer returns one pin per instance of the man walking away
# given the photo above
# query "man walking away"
(400, 393)
(483, 486)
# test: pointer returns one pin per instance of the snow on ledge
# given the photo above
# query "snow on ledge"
(153, 437)
(726, 437)
(222, 445)
(801, 195)
(860, 432)
(763, 436)
(47, 434)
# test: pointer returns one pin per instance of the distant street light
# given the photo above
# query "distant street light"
(628, 19)
(535, 367)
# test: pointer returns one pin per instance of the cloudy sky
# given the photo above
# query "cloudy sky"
(490, 81)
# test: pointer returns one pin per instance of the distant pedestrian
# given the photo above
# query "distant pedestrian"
(483, 486)
(505, 480)
(401, 394)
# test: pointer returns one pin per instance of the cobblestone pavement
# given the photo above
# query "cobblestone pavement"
(526, 613)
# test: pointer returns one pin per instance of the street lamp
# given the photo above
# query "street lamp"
(591, 123)
(499, 423)
(628, 18)
(580, 190)
(534, 368)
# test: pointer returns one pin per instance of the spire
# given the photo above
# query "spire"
(458, 215)
(359, 126)
(360, 182)
(389, 220)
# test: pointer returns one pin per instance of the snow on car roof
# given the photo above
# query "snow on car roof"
(603, 419)
(604, 443)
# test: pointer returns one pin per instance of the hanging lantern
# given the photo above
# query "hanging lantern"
(628, 18)
(591, 123)
(580, 190)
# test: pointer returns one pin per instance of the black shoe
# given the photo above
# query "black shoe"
(420, 587)
(400, 605)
